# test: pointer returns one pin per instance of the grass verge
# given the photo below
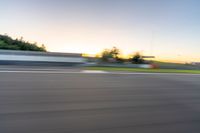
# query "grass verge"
(144, 70)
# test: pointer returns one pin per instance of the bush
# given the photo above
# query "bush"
(8, 43)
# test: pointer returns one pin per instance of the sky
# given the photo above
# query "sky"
(167, 29)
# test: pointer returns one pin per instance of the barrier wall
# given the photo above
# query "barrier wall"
(8, 57)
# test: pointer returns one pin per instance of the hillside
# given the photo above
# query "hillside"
(9, 43)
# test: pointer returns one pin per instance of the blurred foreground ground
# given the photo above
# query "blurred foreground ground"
(69, 101)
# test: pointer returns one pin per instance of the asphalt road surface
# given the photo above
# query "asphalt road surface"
(46, 102)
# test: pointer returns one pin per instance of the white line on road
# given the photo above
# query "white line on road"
(93, 71)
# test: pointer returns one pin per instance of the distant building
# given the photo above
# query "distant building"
(148, 57)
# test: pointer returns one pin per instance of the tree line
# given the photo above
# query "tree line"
(8, 43)
(113, 55)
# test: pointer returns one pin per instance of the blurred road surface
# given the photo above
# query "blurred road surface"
(37, 102)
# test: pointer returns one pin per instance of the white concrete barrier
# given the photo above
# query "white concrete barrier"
(40, 57)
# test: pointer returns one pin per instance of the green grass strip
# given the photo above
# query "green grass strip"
(144, 70)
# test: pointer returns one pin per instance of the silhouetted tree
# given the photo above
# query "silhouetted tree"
(8, 43)
(137, 58)
(109, 54)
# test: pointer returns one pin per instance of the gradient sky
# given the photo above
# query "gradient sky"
(168, 29)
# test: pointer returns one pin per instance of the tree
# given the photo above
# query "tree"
(109, 54)
(137, 58)
(115, 52)
(8, 43)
